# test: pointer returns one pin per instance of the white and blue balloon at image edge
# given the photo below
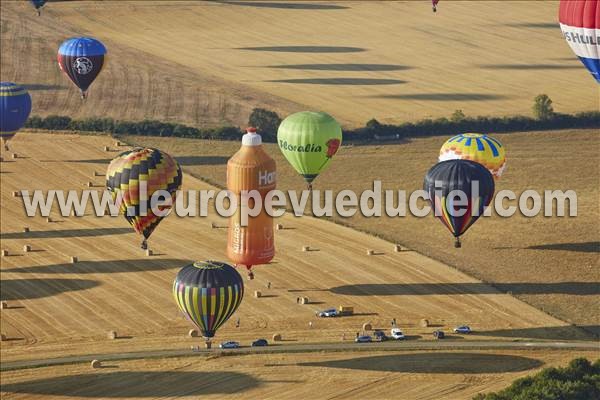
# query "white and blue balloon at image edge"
(580, 24)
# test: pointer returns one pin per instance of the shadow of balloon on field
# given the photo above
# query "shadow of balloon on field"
(21, 289)
(538, 25)
(201, 160)
(137, 384)
(65, 233)
(434, 363)
(41, 86)
(102, 267)
(581, 247)
(528, 67)
(426, 289)
(443, 96)
(305, 49)
(567, 332)
(292, 6)
(342, 67)
(339, 81)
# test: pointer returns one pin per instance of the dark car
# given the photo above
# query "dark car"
(380, 336)
(260, 343)
(438, 334)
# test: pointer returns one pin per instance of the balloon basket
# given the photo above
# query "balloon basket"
(457, 243)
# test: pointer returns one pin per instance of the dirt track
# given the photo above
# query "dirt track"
(58, 308)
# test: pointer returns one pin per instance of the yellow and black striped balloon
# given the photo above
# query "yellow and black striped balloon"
(208, 293)
(142, 166)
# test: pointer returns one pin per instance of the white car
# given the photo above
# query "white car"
(332, 312)
(462, 329)
(397, 334)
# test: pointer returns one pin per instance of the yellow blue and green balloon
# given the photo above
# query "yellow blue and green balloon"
(477, 147)
(208, 293)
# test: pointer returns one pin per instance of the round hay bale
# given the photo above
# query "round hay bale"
(397, 248)
(193, 333)
(257, 294)
(4, 253)
(305, 248)
(25, 229)
(279, 227)
(424, 323)
(277, 337)
(367, 326)
(106, 148)
(48, 219)
(89, 184)
(3, 305)
(117, 143)
(112, 335)
(74, 260)
(2, 337)
(370, 252)
(16, 194)
(96, 364)
(149, 253)
(212, 225)
(26, 248)
(304, 300)
(15, 156)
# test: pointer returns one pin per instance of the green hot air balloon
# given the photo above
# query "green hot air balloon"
(309, 140)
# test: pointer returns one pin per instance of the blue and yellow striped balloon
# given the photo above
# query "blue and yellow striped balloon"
(208, 293)
(477, 147)
(15, 106)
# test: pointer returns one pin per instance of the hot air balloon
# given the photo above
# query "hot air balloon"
(208, 293)
(38, 4)
(81, 59)
(138, 171)
(15, 106)
(459, 175)
(434, 4)
(309, 140)
(580, 25)
(477, 147)
(251, 168)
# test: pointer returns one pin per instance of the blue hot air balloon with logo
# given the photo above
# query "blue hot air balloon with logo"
(15, 106)
(38, 4)
(82, 60)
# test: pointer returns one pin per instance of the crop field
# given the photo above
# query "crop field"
(209, 63)
(417, 375)
(551, 263)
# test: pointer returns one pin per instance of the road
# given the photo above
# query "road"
(305, 348)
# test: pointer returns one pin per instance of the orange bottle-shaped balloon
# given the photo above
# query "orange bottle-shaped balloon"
(249, 169)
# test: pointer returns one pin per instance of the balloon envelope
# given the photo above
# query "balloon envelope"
(459, 175)
(38, 3)
(15, 106)
(477, 147)
(580, 24)
(208, 293)
(131, 170)
(82, 60)
(309, 140)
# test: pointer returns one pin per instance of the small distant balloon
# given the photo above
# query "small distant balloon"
(82, 60)
(309, 140)
(208, 293)
(580, 25)
(137, 171)
(446, 180)
(38, 4)
(15, 107)
(434, 4)
(477, 147)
